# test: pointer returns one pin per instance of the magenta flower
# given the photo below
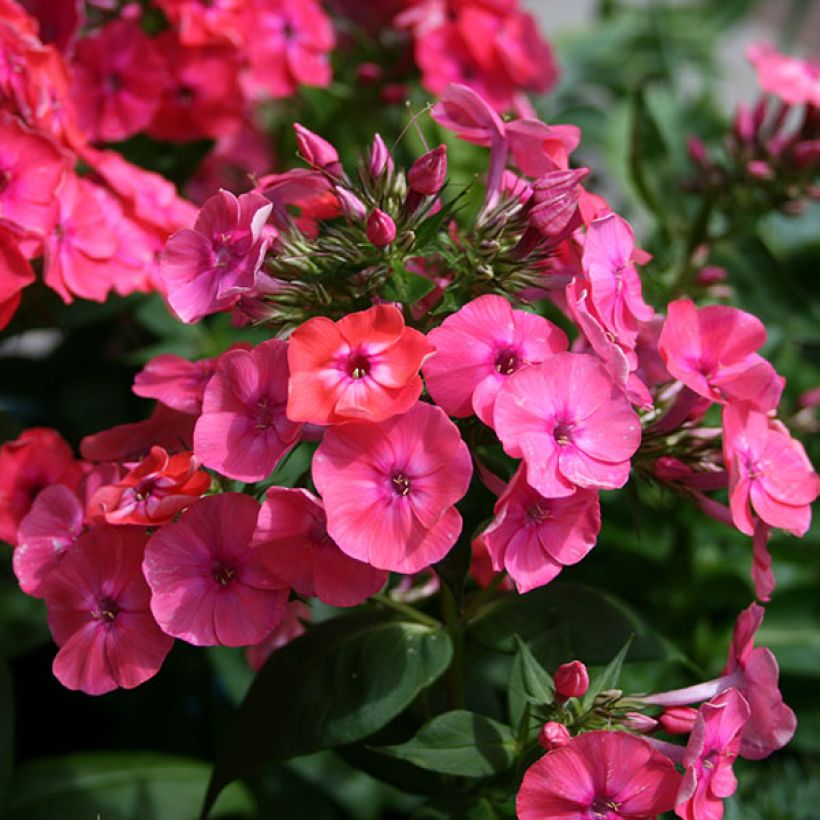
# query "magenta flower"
(534, 538)
(209, 584)
(52, 525)
(207, 269)
(389, 488)
(479, 347)
(243, 431)
(769, 472)
(176, 382)
(570, 424)
(15, 274)
(292, 530)
(709, 756)
(98, 613)
(712, 351)
(599, 775)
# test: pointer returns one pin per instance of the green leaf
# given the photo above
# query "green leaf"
(453, 569)
(118, 786)
(608, 677)
(6, 731)
(338, 683)
(22, 618)
(404, 286)
(566, 620)
(456, 808)
(460, 743)
(529, 683)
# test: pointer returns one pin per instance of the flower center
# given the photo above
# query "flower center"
(222, 573)
(106, 611)
(263, 415)
(401, 484)
(563, 432)
(602, 806)
(536, 512)
(506, 362)
(357, 366)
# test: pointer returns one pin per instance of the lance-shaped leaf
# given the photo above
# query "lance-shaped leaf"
(460, 743)
(529, 683)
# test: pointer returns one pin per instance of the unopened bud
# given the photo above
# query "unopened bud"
(427, 174)
(381, 229)
(711, 275)
(379, 161)
(394, 94)
(553, 736)
(352, 207)
(669, 468)
(697, 151)
(316, 151)
(369, 73)
(640, 723)
(678, 720)
(759, 169)
(571, 680)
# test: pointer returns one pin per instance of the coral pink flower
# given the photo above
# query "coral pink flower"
(287, 43)
(614, 283)
(153, 492)
(795, 81)
(293, 530)
(289, 628)
(178, 383)
(131, 442)
(38, 458)
(599, 774)
(119, 77)
(569, 423)
(98, 614)
(202, 97)
(15, 274)
(534, 538)
(209, 584)
(768, 472)
(206, 269)
(78, 251)
(53, 524)
(479, 347)
(710, 753)
(389, 488)
(363, 367)
(31, 167)
(712, 351)
(243, 431)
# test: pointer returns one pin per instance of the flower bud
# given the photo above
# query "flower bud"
(711, 275)
(352, 207)
(316, 151)
(369, 73)
(571, 680)
(553, 736)
(380, 160)
(678, 720)
(427, 174)
(381, 229)
(669, 468)
(638, 722)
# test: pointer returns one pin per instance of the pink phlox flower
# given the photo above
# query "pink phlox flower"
(36, 459)
(479, 347)
(209, 583)
(308, 191)
(570, 423)
(15, 274)
(553, 207)
(599, 775)
(202, 97)
(289, 629)
(538, 148)
(176, 382)
(31, 168)
(98, 613)
(50, 527)
(78, 251)
(243, 431)
(365, 367)
(170, 429)
(204, 22)
(293, 529)
(119, 77)
(533, 538)
(795, 81)
(152, 492)
(712, 351)
(59, 23)
(389, 488)
(762, 573)
(206, 269)
(712, 749)
(769, 472)
(288, 45)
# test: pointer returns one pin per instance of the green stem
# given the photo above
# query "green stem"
(483, 595)
(455, 674)
(406, 610)
(698, 234)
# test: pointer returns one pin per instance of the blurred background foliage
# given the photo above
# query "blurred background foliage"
(639, 80)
